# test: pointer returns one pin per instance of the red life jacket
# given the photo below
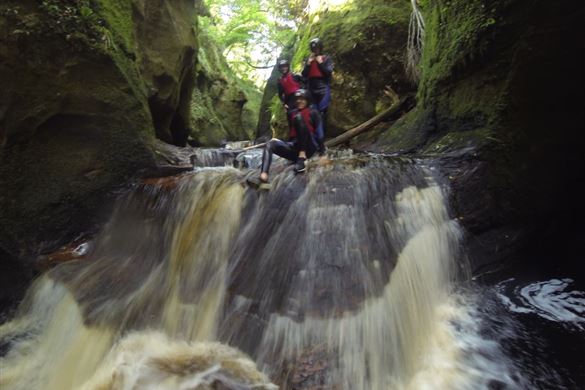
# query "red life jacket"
(289, 84)
(314, 71)
(306, 114)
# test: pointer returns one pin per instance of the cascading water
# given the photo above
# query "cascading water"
(343, 278)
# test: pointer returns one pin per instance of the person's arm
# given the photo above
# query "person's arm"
(326, 66)
(299, 78)
(306, 68)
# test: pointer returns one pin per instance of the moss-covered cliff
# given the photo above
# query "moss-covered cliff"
(503, 81)
(86, 86)
(224, 107)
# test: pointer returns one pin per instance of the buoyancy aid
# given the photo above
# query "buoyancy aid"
(306, 115)
(289, 84)
(315, 71)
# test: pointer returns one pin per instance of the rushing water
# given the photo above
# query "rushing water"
(348, 277)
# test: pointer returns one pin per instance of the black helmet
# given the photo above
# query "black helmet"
(316, 42)
(302, 93)
(283, 63)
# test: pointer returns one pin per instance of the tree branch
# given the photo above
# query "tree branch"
(258, 66)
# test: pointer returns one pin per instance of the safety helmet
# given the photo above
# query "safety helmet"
(316, 43)
(283, 62)
(302, 93)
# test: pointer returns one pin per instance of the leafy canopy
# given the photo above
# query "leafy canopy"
(252, 32)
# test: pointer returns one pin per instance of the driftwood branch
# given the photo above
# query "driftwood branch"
(369, 124)
(255, 146)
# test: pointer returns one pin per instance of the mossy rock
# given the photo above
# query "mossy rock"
(76, 108)
(223, 106)
(492, 83)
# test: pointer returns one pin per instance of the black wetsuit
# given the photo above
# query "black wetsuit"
(318, 77)
(304, 137)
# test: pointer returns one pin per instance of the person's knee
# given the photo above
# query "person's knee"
(270, 145)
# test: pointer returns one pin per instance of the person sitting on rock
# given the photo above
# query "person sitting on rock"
(318, 70)
(288, 84)
(305, 137)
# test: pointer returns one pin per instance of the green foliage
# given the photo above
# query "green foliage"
(82, 23)
(252, 31)
(72, 17)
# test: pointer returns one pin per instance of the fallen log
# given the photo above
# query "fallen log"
(402, 104)
(254, 146)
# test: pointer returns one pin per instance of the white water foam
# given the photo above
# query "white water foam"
(549, 299)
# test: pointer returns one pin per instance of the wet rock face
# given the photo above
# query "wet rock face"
(14, 279)
(84, 87)
(500, 103)
(167, 45)
(317, 245)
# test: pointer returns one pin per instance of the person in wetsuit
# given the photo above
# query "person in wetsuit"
(318, 70)
(305, 137)
(288, 84)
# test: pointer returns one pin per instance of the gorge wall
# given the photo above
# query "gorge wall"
(87, 88)
(224, 107)
(500, 104)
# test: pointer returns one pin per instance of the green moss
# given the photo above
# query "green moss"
(78, 124)
(402, 136)
(458, 33)
(345, 28)
(224, 107)
(461, 96)
(118, 16)
(476, 138)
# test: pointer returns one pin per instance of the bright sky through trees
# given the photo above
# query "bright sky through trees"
(253, 32)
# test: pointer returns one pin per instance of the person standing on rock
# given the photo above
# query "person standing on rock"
(288, 84)
(318, 70)
(305, 137)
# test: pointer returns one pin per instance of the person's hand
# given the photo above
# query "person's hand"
(320, 59)
(310, 59)
(286, 106)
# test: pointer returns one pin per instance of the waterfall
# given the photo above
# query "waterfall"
(345, 277)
